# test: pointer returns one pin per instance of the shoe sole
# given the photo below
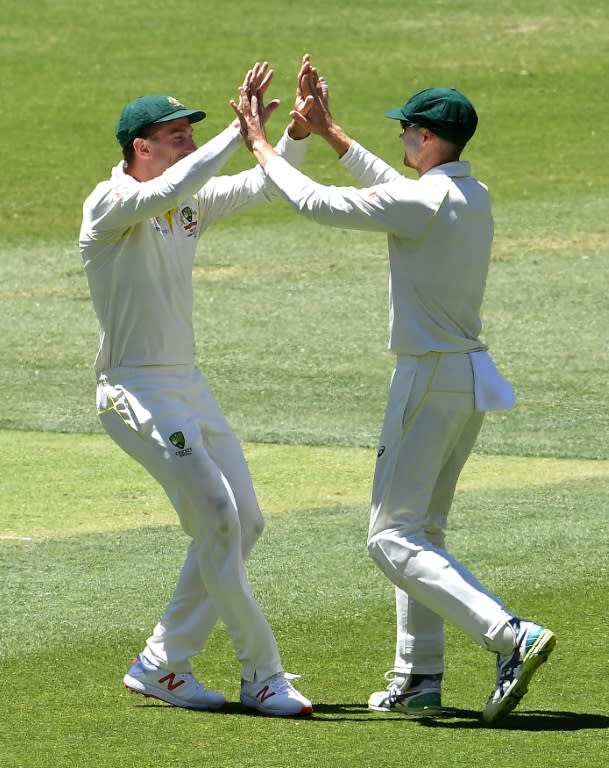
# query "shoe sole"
(424, 703)
(135, 686)
(305, 711)
(537, 655)
(413, 713)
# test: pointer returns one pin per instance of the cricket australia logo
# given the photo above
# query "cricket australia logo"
(179, 441)
(188, 220)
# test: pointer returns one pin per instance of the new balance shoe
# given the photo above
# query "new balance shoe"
(275, 696)
(412, 695)
(181, 689)
(514, 670)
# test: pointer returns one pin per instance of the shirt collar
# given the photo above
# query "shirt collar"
(456, 168)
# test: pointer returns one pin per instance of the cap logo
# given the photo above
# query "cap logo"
(175, 102)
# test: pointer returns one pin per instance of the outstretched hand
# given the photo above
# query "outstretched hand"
(295, 129)
(257, 81)
(250, 111)
(312, 112)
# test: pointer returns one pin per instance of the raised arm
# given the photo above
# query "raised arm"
(225, 195)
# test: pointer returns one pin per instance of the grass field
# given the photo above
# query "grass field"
(85, 581)
(291, 325)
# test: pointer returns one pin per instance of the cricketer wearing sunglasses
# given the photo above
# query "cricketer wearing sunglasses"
(439, 230)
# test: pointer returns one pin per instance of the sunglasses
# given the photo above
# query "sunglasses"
(406, 124)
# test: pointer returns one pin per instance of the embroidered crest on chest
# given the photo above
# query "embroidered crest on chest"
(188, 220)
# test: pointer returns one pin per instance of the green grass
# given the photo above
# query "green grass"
(291, 323)
(82, 588)
(535, 71)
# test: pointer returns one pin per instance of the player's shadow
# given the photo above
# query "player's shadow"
(522, 720)
(453, 718)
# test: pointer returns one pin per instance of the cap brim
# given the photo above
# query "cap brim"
(193, 115)
(395, 114)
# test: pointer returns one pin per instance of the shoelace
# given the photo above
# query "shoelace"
(396, 680)
(506, 667)
(280, 683)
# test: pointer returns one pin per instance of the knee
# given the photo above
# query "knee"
(252, 527)
(378, 550)
(219, 525)
(226, 518)
(391, 550)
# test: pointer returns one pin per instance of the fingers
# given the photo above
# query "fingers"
(246, 79)
(248, 103)
(259, 77)
(265, 76)
(299, 118)
(304, 68)
(306, 106)
(311, 94)
(308, 81)
(323, 90)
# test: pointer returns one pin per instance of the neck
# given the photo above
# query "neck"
(436, 159)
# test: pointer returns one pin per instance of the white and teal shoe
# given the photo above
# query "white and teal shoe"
(411, 695)
(514, 670)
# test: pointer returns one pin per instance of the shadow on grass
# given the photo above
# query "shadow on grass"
(533, 720)
(451, 718)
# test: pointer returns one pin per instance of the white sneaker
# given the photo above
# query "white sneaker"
(181, 689)
(412, 695)
(275, 696)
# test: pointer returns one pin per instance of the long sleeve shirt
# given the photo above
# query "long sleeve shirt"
(439, 230)
(138, 243)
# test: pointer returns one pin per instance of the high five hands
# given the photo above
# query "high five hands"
(309, 115)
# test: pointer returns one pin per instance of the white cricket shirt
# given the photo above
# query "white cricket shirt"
(439, 230)
(138, 242)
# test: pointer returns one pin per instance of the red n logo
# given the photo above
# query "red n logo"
(263, 694)
(169, 679)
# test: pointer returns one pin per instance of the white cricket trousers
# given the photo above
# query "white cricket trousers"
(167, 419)
(428, 433)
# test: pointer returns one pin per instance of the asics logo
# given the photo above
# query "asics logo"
(264, 694)
(170, 680)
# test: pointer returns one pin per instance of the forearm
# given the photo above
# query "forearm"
(367, 168)
(337, 139)
(224, 195)
(263, 151)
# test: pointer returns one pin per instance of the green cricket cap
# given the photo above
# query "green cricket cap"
(151, 109)
(445, 111)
